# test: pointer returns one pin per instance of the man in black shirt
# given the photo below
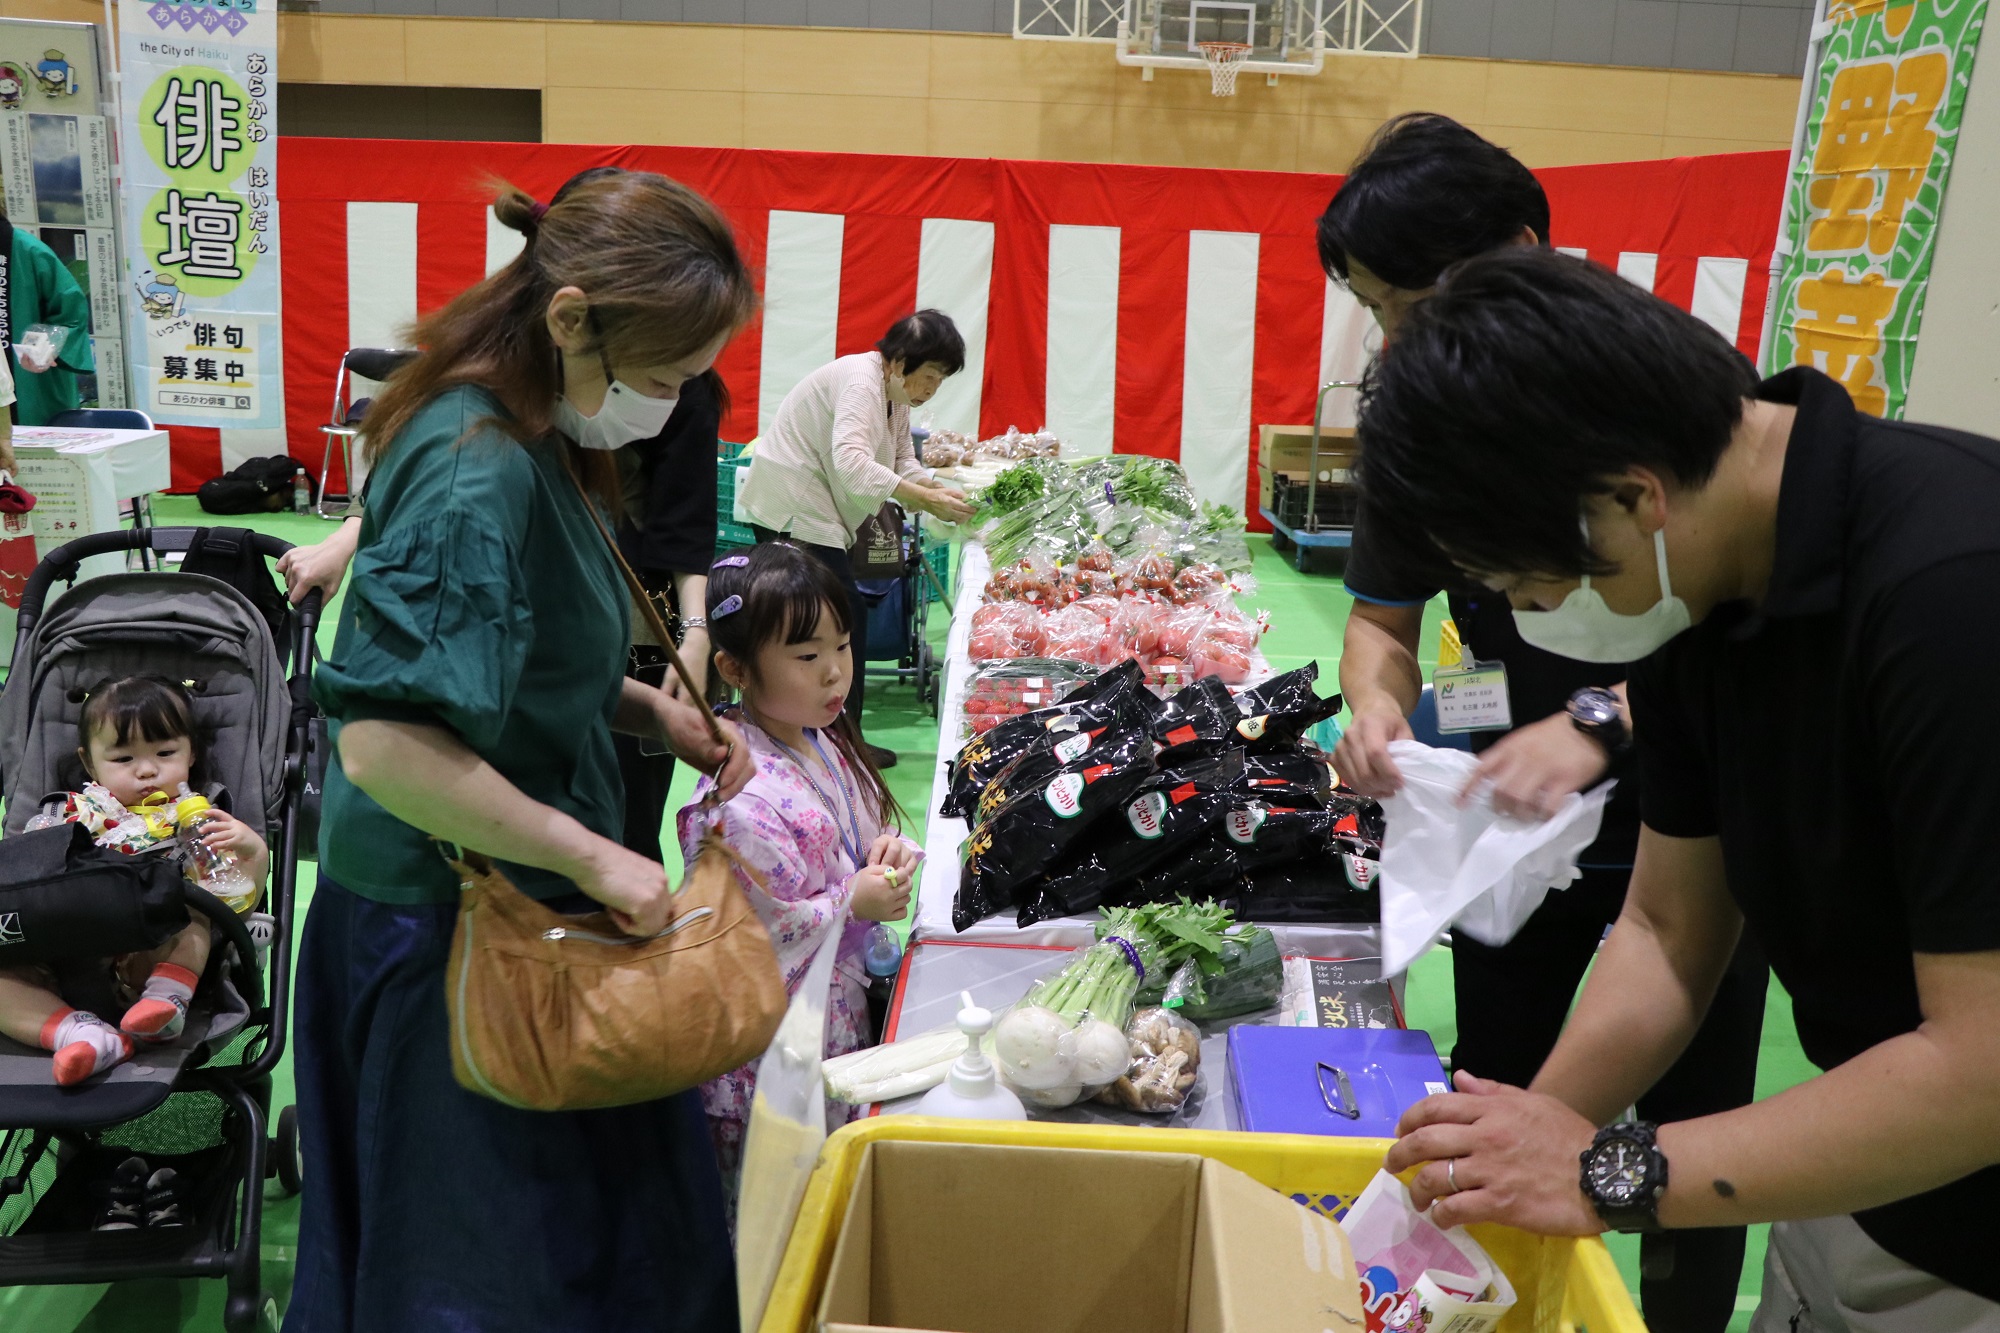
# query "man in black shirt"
(1426, 193)
(1805, 589)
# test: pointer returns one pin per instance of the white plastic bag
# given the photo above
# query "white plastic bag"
(787, 1127)
(1470, 866)
(1415, 1274)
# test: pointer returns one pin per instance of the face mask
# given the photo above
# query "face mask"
(1585, 629)
(626, 417)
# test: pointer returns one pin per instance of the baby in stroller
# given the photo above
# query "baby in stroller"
(138, 747)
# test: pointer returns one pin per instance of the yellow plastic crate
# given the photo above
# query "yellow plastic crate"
(1564, 1286)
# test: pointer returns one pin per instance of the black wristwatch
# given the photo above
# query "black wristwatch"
(1598, 714)
(1624, 1174)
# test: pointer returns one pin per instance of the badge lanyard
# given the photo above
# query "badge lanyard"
(850, 844)
(1472, 696)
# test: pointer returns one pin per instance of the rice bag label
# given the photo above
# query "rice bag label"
(1147, 814)
(1252, 728)
(1243, 823)
(1360, 870)
(1069, 749)
(1065, 795)
(1063, 723)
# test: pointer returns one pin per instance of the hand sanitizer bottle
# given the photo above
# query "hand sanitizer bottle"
(972, 1091)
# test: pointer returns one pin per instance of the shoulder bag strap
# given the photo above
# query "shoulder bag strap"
(645, 605)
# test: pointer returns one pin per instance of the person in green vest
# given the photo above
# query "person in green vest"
(38, 288)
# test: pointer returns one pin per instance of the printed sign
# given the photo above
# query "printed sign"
(201, 184)
(1862, 206)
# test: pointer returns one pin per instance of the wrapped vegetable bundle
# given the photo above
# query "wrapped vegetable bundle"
(1067, 1039)
(1243, 974)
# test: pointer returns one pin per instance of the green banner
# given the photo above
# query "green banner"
(1862, 206)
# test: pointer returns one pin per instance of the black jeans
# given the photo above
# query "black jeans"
(1512, 1002)
(836, 560)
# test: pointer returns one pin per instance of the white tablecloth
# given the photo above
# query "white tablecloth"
(939, 885)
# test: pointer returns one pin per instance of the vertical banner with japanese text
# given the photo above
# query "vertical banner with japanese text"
(1862, 207)
(200, 157)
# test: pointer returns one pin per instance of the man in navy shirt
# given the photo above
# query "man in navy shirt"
(1805, 591)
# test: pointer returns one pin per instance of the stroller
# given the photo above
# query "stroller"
(200, 1105)
(898, 616)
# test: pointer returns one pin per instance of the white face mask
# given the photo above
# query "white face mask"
(1585, 629)
(626, 417)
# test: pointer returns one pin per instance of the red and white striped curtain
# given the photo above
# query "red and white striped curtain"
(1156, 310)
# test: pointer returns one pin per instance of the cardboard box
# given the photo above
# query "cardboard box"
(1289, 448)
(981, 1238)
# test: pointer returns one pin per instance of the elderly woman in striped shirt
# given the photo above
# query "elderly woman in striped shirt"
(839, 448)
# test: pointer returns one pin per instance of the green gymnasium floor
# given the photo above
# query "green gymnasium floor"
(1308, 613)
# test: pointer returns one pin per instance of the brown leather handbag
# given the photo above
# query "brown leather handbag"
(564, 1013)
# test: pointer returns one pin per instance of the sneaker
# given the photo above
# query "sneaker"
(163, 1203)
(125, 1197)
(883, 758)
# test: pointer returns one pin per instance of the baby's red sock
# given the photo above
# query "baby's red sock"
(162, 1011)
(84, 1044)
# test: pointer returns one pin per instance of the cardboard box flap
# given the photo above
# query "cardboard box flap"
(1263, 1262)
(1007, 1240)
(985, 1238)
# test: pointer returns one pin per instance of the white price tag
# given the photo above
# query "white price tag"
(1472, 697)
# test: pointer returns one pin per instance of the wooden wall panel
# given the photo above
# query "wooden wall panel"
(987, 96)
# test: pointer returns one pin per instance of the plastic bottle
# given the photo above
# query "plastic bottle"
(42, 821)
(217, 871)
(881, 951)
(302, 492)
(972, 1091)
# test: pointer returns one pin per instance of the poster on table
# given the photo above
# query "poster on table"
(200, 144)
(1862, 207)
(56, 174)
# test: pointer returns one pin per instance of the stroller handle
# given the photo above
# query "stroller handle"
(63, 563)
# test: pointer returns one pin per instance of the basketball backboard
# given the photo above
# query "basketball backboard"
(1285, 36)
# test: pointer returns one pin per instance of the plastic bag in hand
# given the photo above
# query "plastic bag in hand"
(1469, 866)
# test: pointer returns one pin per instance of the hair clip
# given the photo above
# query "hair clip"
(728, 606)
(731, 562)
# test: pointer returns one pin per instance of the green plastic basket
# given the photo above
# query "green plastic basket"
(729, 534)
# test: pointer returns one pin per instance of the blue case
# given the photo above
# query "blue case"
(1350, 1081)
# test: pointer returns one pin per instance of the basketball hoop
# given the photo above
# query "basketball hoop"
(1224, 59)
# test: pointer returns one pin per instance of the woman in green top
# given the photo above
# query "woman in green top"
(476, 679)
(40, 289)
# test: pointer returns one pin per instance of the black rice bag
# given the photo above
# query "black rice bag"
(1337, 889)
(1287, 777)
(1106, 700)
(1032, 830)
(1175, 807)
(1358, 823)
(1289, 692)
(1278, 713)
(1264, 834)
(1206, 870)
(1034, 766)
(1204, 711)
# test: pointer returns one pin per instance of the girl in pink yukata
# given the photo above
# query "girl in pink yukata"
(816, 821)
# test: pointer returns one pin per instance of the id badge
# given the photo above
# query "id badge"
(1472, 697)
